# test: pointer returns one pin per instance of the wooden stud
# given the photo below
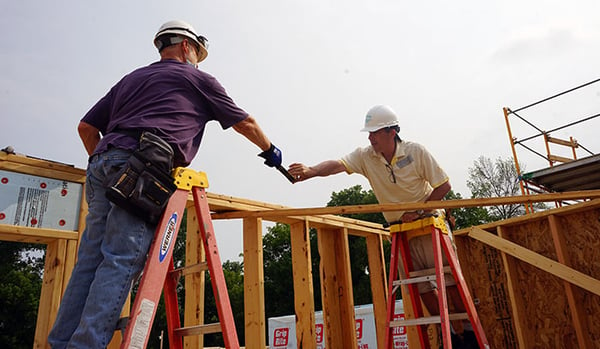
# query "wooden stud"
(336, 289)
(379, 288)
(515, 297)
(254, 284)
(573, 298)
(304, 303)
(51, 294)
(195, 283)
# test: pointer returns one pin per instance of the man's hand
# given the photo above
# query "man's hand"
(272, 156)
(412, 216)
(299, 171)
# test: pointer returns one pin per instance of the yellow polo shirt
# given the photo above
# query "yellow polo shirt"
(416, 172)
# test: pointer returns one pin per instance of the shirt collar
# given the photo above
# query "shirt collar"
(399, 154)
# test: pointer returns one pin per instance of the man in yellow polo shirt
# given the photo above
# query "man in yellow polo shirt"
(399, 171)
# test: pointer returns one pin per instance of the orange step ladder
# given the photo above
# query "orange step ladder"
(436, 226)
(159, 271)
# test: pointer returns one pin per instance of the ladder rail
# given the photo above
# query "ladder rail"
(464, 292)
(441, 284)
(442, 246)
(172, 307)
(413, 290)
(160, 275)
(399, 245)
(145, 303)
(391, 291)
(213, 260)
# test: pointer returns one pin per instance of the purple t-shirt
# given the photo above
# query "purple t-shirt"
(172, 99)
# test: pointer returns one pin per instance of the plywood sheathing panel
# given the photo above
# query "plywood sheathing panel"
(545, 318)
(582, 238)
(485, 275)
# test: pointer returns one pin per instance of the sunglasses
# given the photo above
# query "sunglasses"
(391, 176)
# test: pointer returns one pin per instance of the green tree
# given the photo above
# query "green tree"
(465, 217)
(356, 195)
(21, 267)
(489, 179)
(277, 257)
(234, 277)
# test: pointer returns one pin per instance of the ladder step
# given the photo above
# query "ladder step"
(426, 320)
(189, 269)
(419, 276)
(415, 280)
(198, 329)
(430, 271)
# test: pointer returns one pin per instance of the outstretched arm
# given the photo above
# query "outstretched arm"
(302, 172)
(250, 129)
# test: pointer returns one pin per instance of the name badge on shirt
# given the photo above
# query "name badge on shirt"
(404, 162)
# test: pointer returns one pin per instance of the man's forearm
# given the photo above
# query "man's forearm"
(327, 168)
(440, 192)
(250, 129)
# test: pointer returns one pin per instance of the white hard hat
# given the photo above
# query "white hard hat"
(378, 117)
(180, 28)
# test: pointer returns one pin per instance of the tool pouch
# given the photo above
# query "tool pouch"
(144, 184)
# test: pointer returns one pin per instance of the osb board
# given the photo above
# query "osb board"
(545, 317)
(485, 275)
(581, 232)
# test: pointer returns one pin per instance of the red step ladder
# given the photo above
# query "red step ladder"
(436, 226)
(159, 271)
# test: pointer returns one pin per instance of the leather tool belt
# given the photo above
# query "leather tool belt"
(144, 184)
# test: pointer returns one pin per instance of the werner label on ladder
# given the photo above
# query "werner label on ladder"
(159, 271)
(419, 282)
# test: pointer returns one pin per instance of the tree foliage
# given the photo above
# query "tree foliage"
(489, 179)
(359, 262)
(21, 268)
(465, 217)
(356, 195)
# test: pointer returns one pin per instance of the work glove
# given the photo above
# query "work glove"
(272, 156)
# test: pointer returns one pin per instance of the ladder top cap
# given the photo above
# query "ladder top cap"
(186, 178)
(438, 222)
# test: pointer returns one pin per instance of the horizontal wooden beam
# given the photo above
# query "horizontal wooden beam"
(34, 235)
(41, 168)
(509, 200)
(221, 203)
(537, 260)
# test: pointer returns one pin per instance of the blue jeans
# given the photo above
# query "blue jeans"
(112, 253)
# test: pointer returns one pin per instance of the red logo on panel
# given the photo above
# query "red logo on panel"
(319, 332)
(280, 338)
(359, 328)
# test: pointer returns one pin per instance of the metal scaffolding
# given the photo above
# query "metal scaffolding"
(564, 173)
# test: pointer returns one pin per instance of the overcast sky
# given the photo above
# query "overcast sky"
(308, 71)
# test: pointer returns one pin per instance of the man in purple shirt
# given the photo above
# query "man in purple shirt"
(173, 100)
